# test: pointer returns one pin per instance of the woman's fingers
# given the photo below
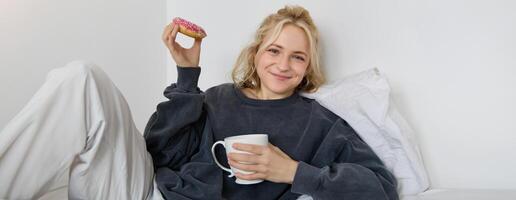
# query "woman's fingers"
(171, 43)
(181, 55)
(170, 34)
(172, 40)
(251, 148)
(240, 157)
(253, 176)
(173, 34)
(247, 166)
(268, 162)
(197, 44)
(166, 32)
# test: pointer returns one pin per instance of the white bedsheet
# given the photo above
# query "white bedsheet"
(464, 194)
(433, 194)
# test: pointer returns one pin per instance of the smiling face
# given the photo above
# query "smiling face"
(282, 65)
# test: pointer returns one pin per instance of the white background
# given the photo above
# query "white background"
(122, 36)
(451, 64)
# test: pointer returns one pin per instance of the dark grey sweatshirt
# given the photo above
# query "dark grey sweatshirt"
(334, 162)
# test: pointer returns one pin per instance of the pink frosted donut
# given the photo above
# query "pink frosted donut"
(189, 28)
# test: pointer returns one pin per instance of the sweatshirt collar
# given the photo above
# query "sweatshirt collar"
(269, 102)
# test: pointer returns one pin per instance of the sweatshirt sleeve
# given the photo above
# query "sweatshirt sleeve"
(356, 174)
(172, 134)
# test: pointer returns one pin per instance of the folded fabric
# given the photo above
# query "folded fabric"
(363, 101)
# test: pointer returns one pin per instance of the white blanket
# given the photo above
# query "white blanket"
(76, 135)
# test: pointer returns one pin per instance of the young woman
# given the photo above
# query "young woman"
(311, 152)
(76, 137)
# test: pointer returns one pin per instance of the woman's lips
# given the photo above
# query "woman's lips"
(280, 77)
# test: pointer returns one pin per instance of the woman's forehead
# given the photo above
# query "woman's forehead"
(292, 38)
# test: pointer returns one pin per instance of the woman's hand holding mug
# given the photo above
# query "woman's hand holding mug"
(253, 159)
(268, 163)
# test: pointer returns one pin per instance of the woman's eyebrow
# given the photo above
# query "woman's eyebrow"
(277, 45)
(280, 47)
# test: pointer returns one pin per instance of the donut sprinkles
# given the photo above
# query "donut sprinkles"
(190, 29)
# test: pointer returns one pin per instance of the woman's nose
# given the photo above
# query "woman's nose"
(283, 63)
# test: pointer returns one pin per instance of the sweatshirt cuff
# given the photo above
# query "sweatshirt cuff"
(306, 181)
(187, 78)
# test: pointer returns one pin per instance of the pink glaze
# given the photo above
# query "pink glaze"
(188, 25)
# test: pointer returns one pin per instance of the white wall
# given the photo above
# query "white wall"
(122, 36)
(451, 65)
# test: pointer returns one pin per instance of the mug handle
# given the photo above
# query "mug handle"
(231, 174)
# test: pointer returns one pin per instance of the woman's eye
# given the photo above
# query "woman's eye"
(301, 58)
(273, 51)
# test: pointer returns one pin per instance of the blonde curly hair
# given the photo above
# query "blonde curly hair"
(244, 71)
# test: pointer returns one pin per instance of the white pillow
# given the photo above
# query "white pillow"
(363, 101)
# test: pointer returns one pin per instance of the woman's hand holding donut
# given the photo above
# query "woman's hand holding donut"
(182, 56)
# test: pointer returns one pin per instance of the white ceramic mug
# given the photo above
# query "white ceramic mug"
(258, 139)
